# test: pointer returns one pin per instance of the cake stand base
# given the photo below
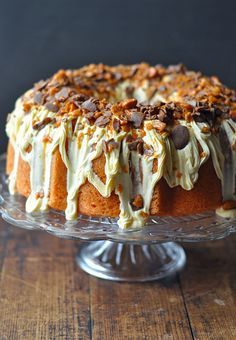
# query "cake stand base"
(131, 262)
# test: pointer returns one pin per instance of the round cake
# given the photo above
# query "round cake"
(125, 141)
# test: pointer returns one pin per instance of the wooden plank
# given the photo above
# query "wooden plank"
(138, 311)
(209, 289)
(43, 294)
(36, 244)
(4, 236)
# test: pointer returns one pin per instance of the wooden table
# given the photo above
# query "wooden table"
(44, 295)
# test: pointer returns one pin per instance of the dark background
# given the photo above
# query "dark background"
(39, 37)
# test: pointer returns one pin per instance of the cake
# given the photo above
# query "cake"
(125, 141)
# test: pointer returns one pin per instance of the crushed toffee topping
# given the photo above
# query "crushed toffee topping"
(110, 145)
(40, 125)
(137, 202)
(91, 90)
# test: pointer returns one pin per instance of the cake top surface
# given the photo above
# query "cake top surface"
(171, 94)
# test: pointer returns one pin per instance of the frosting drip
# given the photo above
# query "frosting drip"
(128, 173)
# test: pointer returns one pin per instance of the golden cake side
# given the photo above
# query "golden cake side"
(205, 196)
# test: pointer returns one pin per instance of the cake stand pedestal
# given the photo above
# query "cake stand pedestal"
(140, 255)
(131, 262)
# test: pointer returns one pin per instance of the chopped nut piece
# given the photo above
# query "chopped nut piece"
(137, 119)
(39, 98)
(142, 133)
(27, 107)
(47, 139)
(41, 84)
(89, 105)
(116, 125)
(136, 145)
(109, 145)
(64, 93)
(102, 121)
(205, 129)
(40, 125)
(39, 194)
(28, 148)
(178, 174)
(137, 202)
(129, 104)
(120, 188)
(51, 107)
(52, 91)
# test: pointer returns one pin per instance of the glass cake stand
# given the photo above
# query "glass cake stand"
(142, 255)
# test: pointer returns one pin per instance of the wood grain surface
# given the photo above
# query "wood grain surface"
(44, 295)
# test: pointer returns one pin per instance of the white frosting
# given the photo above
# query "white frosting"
(229, 179)
(231, 213)
(80, 147)
(12, 130)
